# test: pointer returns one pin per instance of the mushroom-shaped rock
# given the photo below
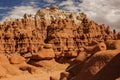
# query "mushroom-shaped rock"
(44, 54)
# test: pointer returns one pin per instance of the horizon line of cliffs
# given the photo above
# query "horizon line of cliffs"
(64, 30)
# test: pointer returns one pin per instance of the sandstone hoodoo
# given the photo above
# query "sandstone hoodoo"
(53, 37)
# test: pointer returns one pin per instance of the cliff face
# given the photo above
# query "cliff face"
(64, 30)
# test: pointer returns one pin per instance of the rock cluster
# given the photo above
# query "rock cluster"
(100, 64)
(62, 29)
(53, 35)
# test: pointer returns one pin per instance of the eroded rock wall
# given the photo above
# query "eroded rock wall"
(64, 30)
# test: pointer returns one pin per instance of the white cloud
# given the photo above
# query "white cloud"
(103, 11)
(19, 11)
(33, 3)
(2, 14)
(4, 7)
(71, 8)
(69, 5)
(50, 1)
(114, 16)
(66, 3)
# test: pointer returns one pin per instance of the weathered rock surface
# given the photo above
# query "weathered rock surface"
(16, 59)
(7, 67)
(55, 27)
(89, 69)
(111, 71)
(45, 63)
(45, 54)
(54, 35)
(113, 44)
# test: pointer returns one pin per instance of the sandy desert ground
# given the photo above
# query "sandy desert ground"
(41, 74)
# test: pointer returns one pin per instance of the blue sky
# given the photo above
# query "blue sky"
(102, 11)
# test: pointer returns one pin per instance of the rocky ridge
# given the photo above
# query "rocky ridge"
(51, 25)
(54, 35)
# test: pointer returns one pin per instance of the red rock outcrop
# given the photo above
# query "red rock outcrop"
(53, 35)
(95, 64)
(53, 26)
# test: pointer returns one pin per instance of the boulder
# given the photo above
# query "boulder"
(81, 57)
(95, 64)
(93, 49)
(48, 46)
(111, 71)
(64, 75)
(11, 69)
(16, 59)
(69, 54)
(57, 54)
(26, 67)
(101, 46)
(29, 68)
(44, 54)
(113, 44)
(45, 63)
